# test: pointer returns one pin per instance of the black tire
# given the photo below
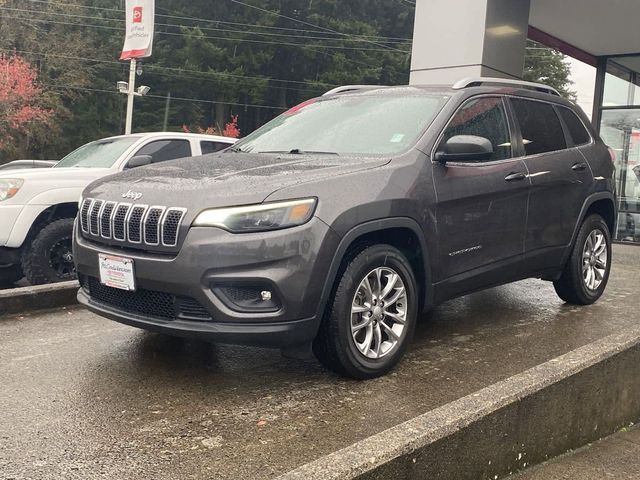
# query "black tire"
(334, 346)
(571, 286)
(10, 274)
(45, 259)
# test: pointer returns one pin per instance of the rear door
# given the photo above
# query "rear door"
(481, 206)
(560, 180)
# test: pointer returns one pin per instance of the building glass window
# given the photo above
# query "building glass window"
(620, 130)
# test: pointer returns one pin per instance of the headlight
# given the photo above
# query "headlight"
(9, 187)
(258, 218)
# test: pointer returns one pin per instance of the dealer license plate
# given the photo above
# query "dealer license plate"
(117, 272)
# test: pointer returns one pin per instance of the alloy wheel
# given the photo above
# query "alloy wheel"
(379, 313)
(594, 260)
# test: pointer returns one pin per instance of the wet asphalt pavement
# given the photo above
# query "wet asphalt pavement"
(84, 397)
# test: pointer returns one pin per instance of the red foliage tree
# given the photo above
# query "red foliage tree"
(19, 97)
(231, 128)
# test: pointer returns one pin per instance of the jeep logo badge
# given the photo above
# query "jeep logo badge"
(132, 195)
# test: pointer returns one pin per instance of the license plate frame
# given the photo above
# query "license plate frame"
(117, 272)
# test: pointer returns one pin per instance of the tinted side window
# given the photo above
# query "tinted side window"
(212, 147)
(576, 128)
(483, 117)
(163, 150)
(540, 126)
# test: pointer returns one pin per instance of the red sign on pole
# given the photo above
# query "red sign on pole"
(138, 41)
(137, 14)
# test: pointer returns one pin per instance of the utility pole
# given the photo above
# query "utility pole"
(131, 93)
(166, 112)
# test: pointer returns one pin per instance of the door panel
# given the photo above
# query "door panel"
(481, 216)
(560, 180)
(481, 206)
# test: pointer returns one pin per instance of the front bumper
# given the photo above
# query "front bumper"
(293, 263)
(8, 217)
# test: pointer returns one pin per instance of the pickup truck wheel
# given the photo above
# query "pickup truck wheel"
(49, 258)
(586, 273)
(369, 324)
(10, 274)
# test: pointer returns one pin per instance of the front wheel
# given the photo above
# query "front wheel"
(49, 257)
(586, 273)
(371, 320)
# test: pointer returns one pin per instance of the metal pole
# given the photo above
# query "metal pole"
(166, 112)
(130, 96)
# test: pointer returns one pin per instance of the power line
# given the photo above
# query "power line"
(236, 40)
(242, 32)
(309, 24)
(205, 20)
(179, 71)
(194, 100)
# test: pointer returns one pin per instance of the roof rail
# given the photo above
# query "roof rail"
(478, 81)
(351, 88)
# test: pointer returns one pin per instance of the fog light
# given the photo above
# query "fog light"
(265, 295)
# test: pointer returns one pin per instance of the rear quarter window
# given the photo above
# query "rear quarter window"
(577, 130)
(540, 126)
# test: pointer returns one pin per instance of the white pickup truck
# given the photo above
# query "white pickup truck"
(38, 206)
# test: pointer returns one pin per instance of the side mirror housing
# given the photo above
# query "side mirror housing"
(139, 161)
(465, 148)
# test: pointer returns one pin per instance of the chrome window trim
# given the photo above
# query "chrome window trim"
(521, 157)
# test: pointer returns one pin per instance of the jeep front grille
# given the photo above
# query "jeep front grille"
(138, 224)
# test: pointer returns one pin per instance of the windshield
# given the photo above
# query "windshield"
(360, 125)
(100, 154)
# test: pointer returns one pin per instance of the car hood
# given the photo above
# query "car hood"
(224, 179)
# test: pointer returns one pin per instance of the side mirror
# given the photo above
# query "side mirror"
(465, 148)
(139, 161)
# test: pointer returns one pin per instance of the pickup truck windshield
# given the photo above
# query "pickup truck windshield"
(99, 154)
(349, 125)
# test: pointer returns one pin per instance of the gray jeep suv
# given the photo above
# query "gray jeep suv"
(336, 224)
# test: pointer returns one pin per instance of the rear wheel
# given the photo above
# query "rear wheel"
(371, 320)
(49, 257)
(586, 273)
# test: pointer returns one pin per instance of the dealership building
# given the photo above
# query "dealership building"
(454, 39)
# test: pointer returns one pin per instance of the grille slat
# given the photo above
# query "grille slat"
(105, 219)
(171, 226)
(152, 225)
(136, 224)
(84, 214)
(94, 215)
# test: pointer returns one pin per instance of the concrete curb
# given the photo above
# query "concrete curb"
(21, 300)
(559, 405)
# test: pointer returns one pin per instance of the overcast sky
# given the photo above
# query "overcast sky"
(583, 77)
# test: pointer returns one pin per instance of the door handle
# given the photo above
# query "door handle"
(512, 177)
(579, 166)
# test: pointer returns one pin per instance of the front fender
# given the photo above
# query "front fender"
(370, 227)
(35, 207)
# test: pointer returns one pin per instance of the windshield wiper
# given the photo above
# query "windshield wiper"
(297, 151)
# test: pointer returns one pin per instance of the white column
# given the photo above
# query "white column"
(454, 39)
